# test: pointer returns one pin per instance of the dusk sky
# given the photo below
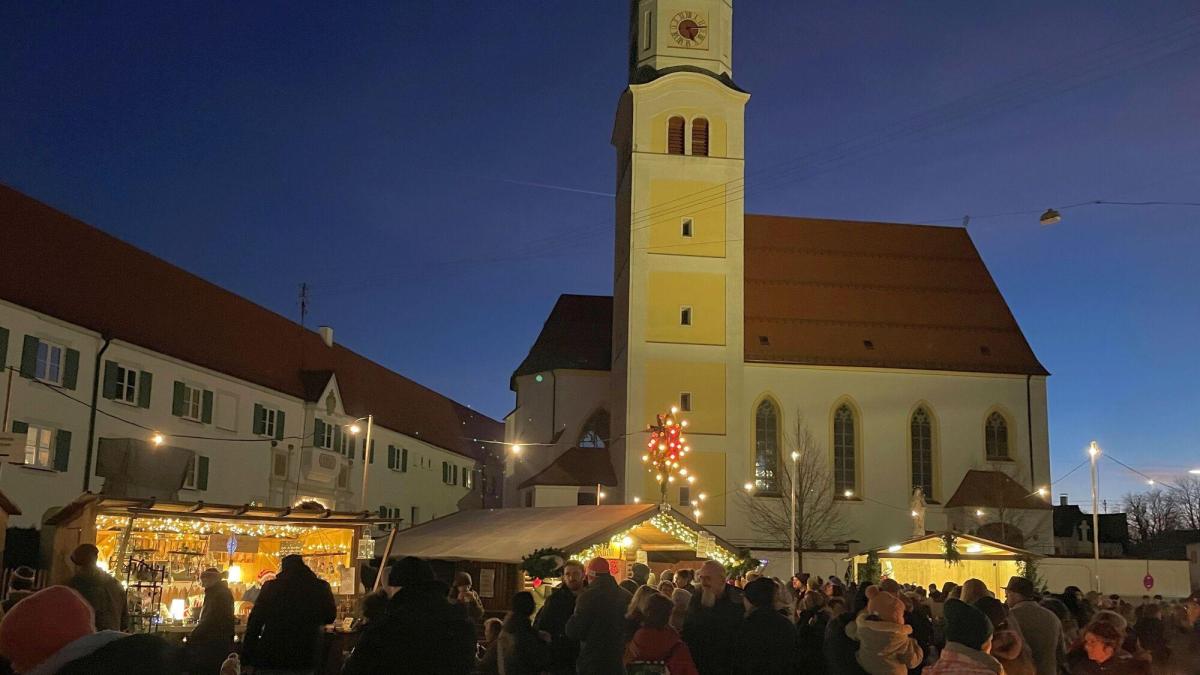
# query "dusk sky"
(439, 173)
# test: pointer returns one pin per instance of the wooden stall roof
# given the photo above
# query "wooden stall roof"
(930, 545)
(150, 508)
(506, 535)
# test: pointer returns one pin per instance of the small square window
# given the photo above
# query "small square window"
(764, 341)
(685, 401)
(685, 316)
(39, 447)
(685, 227)
(868, 344)
(685, 495)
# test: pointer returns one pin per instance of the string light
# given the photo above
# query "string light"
(191, 526)
(665, 450)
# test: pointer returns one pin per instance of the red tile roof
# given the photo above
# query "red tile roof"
(106, 285)
(841, 292)
(994, 489)
(577, 466)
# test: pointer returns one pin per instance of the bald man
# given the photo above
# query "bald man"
(713, 618)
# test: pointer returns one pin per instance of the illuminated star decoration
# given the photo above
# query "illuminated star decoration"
(665, 453)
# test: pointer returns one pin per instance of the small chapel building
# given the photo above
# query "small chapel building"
(882, 353)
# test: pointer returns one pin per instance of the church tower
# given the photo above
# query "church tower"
(678, 277)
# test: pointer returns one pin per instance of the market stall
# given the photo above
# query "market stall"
(945, 556)
(159, 549)
(491, 544)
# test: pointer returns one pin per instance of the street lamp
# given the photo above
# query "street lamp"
(795, 456)
(354, 429)
(1050, 217)
(1093, 453)
(1195, 471)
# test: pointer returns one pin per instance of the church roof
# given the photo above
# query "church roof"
(853, 293)
(993, 489)
(839, 293)
(577, 466)
(577, 335)
(117, 290)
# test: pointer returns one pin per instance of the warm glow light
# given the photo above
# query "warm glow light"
(103, 565)
(178, 606)
(974, 548)
(749, 487)
(893, 548)
(516, 449)
(914, 514)
(695, 502)
(1150, 482)
(1195, 471)
(626, 541)
(645, 458)
(602, 495)
(674, 409)
(979, 512)
(703, 496)
(235, 574)
(696, 514)
(1093, 449)
(670, 479)
(637, 500)
(658, 477)
(691, 479)
(683, 472)
(683, 423)
(795, 456)
(354, 429)
(158, 439)
(1042, 491)
(848, 494)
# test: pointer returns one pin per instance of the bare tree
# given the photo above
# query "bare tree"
(1188, 499)
(817, 517)
(1153, 512)
(1137, 513)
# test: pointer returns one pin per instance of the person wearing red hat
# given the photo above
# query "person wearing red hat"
(599, 622)
(53, 632)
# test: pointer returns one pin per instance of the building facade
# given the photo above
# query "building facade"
(260, 409)
(884, 348)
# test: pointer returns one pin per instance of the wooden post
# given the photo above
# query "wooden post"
(124, 566)
(387, 552)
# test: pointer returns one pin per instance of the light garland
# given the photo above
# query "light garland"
(665, 452)
(193, 526)
(662, 522)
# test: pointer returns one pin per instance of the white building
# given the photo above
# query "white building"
(889, 343)
(260, 407)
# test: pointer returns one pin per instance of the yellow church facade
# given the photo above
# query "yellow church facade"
(882, 354)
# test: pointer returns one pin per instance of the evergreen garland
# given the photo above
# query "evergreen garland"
(950, 548)
(543, 562)
(744, 565)
(871, 570)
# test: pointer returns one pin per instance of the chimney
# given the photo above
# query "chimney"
(326, 335)
(1062, 499)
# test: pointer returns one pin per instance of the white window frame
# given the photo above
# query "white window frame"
(270, 415)
(327, 437)
(127, 393)
(50, 367)
(34, 435)
(686, 315)
(193, 400)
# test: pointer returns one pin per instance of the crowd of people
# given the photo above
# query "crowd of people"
(680, 622)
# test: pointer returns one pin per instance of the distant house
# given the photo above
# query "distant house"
(1073, 531)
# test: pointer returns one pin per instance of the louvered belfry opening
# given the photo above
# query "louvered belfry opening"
(700, 137)
(675, 136)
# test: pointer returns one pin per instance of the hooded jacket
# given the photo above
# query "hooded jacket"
(661, 644)
(884, 648)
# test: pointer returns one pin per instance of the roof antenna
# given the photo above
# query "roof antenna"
(303, 302)
(966, 220)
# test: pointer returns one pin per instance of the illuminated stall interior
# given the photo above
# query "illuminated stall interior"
(923, 560)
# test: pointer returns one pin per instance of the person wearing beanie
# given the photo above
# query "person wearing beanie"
(885, 643)
(766, 641)
(598, 623)
(20, 586)
(212, 638)
(52, 632)
(968, 643)
(656, 642)
(1008, 647)
(99, 588)
(461, 594)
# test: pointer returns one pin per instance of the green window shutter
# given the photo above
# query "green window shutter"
(371, 453)
(29, 357)
(20, 427)
(202, 473)
(279, 419)
(110, 380)
(62, 450)
(145, 386)
(318, 431)
(337, 438)
(404, 460)
(391, 457)
(71, 374)
(351, 445)
(177, 399)
(260, 419)
(206, 407)
(383, 512)
(3, 347)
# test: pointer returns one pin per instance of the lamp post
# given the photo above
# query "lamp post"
(362, 504)
(1094, 452)
(795, 465)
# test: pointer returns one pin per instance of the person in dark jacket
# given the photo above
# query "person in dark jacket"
(212, 639)
(522, 649)
(711, 625)
(840, 649)
(104, 593)
(1102, 653)
(810, 632)
(285, 628)
(554, 615)
(52, 631)
(422, 633)
(639, 574)
(766, 642)
(599, 622)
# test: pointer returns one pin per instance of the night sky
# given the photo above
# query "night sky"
(396, 157)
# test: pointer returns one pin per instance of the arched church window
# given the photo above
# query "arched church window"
(996, 436)
(921, 433)
(845, 478)
(766, 448)
(595, 431)
(675, 136)
(700, 137)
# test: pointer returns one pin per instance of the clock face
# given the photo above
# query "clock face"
(689, 30)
